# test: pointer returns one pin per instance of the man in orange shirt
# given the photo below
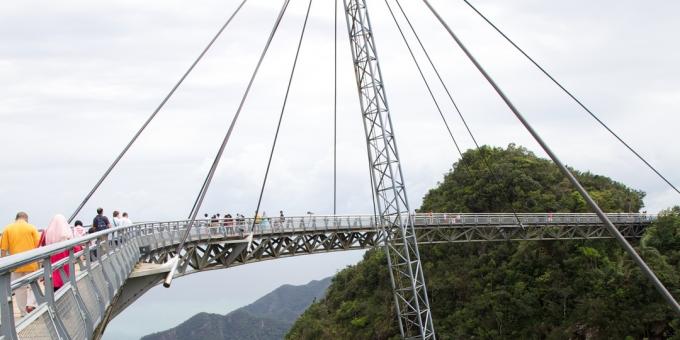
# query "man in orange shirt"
(19, 237)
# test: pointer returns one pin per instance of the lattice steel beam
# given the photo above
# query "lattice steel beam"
(211, 251)
(406, 274)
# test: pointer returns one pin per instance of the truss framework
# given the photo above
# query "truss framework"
(406, 274)
(214, 249)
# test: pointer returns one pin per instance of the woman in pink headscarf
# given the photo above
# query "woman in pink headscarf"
(58, 231)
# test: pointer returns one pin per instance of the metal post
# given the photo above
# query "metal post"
(82, 309)
(406, 274)
(51, 303)
(6, 308)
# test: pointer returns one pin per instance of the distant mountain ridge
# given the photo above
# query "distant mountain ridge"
(268, 318)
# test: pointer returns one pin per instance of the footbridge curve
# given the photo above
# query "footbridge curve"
(117, 266)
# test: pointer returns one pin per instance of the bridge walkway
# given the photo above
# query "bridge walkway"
(131, 260)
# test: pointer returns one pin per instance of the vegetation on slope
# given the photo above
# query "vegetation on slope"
(268, 318)
(547, 290)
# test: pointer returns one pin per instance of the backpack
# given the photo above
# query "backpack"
(99, 223)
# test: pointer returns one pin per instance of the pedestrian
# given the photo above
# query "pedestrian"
(100, 222)
(59, 231)
(126, 220)
(117, 221)
(282, 219)
(78, 229)
(264, 222)
(19, 237)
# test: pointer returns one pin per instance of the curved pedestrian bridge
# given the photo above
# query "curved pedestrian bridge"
(118, 265)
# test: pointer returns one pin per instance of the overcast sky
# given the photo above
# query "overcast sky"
(78, 78)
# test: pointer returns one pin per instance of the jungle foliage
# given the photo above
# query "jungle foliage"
(510, 290)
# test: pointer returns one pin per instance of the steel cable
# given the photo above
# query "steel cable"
(153, 115)
(216, 161)
(565, 171)
(283, 110)
(422, 75)
(574, 98)
(441, 114)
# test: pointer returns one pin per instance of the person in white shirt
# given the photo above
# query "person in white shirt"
(125, 220)
(117, 221)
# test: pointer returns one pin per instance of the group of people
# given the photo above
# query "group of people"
(101, 222)
(21, 236)
(227, 220)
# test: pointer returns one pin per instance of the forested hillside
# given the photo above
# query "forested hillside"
(512, 290)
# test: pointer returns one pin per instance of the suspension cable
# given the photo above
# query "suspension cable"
(335, 110)
(216, 161)
(441, 114)
(153, 115)
(422, 75)
(572, 96)
(283, 110)
(436, 71)
(577, 185)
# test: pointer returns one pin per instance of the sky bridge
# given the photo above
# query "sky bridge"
(117, 266)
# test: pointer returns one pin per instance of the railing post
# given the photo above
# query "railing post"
(51, 303)
(84, 313)
(9, 331)
(100, 258)
(90, 277)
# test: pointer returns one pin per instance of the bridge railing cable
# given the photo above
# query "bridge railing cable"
(573, 97)
(565, 171)
(225, 140)
(283, 110)
(465, 165)
(154, 113)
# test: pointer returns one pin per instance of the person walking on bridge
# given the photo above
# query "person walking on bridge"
(126, 220)
(100, 222)
(117, 221)
(58, 231)
(19, 237)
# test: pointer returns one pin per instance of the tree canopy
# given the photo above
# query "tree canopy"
(533, 289)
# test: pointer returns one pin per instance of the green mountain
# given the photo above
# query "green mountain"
(270, 317)
(516, 290)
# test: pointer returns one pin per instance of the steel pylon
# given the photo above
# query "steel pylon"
(406, 273)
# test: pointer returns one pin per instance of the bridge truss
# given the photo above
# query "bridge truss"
(219, 246)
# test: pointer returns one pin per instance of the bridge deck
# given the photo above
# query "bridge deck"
(104, 285)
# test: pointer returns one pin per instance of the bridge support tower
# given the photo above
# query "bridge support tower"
(406, 273)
